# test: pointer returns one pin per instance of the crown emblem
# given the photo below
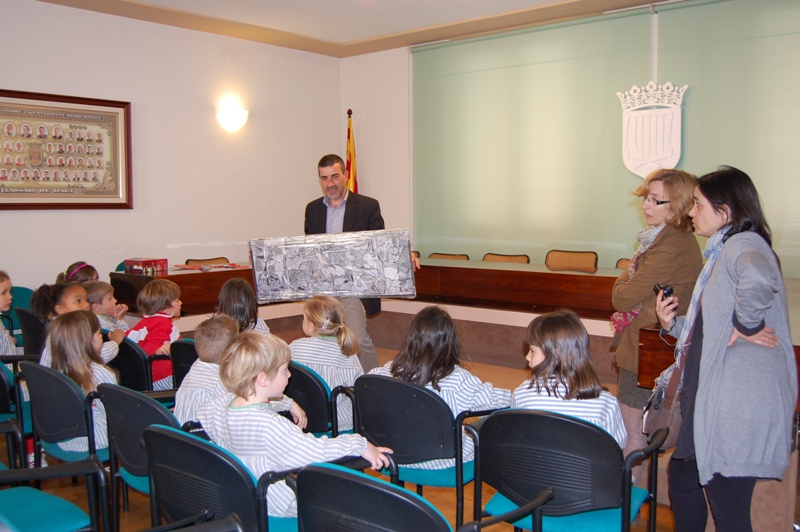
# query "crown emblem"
(666, 95)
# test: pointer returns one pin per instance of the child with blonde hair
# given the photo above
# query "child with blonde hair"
(238, 300)
(159, 301)
(255, 368)
(202, 384)
(75, 341)
(563, 379)
(109, 312)
(329, 349)
(50, 301)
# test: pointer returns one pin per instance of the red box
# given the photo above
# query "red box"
(151, 267)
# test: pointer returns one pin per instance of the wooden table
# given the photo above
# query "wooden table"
(199, 290)
(511, 286)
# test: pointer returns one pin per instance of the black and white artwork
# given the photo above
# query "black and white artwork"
(357, 264)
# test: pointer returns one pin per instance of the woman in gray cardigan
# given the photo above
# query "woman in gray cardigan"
(739, 386)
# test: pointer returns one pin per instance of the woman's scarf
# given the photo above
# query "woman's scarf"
(711, 253)
(621, 320)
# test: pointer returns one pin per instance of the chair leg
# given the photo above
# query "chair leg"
(419, 490)
(114, 503)
(125, 497)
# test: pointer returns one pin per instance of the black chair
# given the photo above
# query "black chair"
(34, 331)
(134, 367)
(313, 395)
(59, 411)
(189, 475)
(183, 354)
(520, 452)
(418, 426)
(332, 498)
(128, 413)
(25, 508)
(207, 523)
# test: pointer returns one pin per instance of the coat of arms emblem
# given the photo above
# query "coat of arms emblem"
(651, 127)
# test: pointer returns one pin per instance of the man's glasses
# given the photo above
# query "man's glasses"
(650, 200)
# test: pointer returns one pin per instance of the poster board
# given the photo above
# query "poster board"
(358, 264)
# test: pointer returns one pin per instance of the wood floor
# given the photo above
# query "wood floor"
(138, 518)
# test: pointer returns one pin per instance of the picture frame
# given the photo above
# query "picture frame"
(64, 152)
(365, 264)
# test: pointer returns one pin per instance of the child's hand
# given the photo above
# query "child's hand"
(116, 336)
(298, 415)
(164, 349)
(376, 457)
(120, 309)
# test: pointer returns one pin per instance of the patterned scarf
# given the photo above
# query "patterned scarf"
(622, 320)
(712, 251)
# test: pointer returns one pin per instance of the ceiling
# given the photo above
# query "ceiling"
(344, 28)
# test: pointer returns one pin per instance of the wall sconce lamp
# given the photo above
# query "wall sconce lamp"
(230, 113)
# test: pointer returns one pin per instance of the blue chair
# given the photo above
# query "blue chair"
(183, 354)
(21, 299)
(334, 498)
(128, 413)
(134, 367)
(309, 390)
(520, 452)
(190, 475)
(418, 426)
(23, 508)
(59, 411)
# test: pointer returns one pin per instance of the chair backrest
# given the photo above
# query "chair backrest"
(413, 421)
(333, 498)
(213, 260)
(183, 354)
(128, 413)
(623, 263)
(312, 393)
(7, 393)
(453, 256)
(58, 405)
(131, 364)
(22, 299)
(524, 451)
(498, 257)
(34, 331)
(579, 261)
(189, 475)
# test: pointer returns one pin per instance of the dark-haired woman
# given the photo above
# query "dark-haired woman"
(431, 357)
(739, 386)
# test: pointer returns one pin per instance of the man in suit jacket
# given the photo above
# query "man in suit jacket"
(342, 211)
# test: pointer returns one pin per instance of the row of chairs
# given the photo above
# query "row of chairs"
(556, 259)
(517, 447)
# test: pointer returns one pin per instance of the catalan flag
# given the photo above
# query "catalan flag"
(352, 181)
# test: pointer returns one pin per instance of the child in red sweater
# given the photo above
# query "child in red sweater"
(159, 302)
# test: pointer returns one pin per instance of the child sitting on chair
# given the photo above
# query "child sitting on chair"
(201, 384)
(160, 303)
(53, 300)
(238, 300)
(105, 306)
(78, 272)
(563, 379)
(329, 350)
(8, 345)
(255, 368)
(431, 357)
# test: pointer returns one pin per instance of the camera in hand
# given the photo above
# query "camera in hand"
(667, 288)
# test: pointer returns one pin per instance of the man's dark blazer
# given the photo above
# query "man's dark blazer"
(362, 213)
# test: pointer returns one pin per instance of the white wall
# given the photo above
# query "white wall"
(199, 191)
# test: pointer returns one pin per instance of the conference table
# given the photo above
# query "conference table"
(199, 290)
(497, 285)
(514, 286)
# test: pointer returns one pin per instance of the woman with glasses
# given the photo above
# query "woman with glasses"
(668, 253)
(739, 382)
